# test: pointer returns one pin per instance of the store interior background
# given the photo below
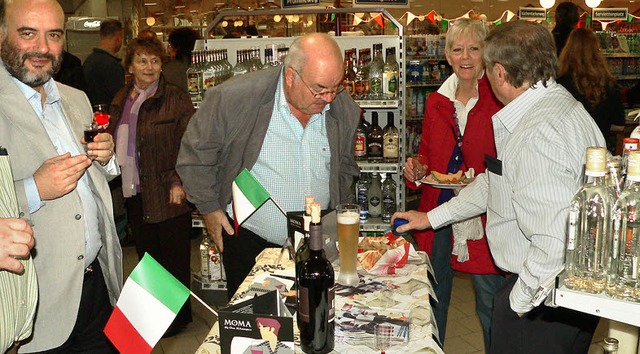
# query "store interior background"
(167, 14)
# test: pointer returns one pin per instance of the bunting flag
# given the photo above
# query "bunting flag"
(445, 25)
(410, 18)
(510, 15)
(356, 20)
(431, 16)
(379, 20)
(149, 302)
(248, 195)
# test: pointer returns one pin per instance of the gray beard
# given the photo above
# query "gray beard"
(14, 63)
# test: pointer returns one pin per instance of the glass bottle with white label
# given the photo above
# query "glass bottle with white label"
(622, 280)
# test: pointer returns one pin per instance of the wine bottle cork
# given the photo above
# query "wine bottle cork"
(315, 212)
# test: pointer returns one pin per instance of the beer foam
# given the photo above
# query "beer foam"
(349, 217)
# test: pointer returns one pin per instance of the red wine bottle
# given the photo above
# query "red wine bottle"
(316, 294)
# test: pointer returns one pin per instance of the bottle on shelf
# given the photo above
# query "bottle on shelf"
(375, 73)
(390, 141)
(374, 196)
(208, 71)
(205, 245)
(629, 144)
(363, 200)
(374, 139)
(610, 345)
(361, 82)
(349, 76)
(316, 294)
(360, 149)
(589, 228)
(302, 252)
(622, 281)
(241, 67)
(389, 205)
(390, 76)
(194, 78)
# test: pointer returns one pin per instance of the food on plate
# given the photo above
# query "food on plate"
(449, 178)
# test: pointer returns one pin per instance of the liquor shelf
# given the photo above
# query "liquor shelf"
(425, 84)
(391, 167)
(378, 103)
(621, 55)
(599, 305)
(374, 224)
(627, 77)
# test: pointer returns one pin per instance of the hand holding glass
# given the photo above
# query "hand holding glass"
(348, 216)
(420, 167)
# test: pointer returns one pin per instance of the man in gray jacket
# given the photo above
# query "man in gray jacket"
(292, 127)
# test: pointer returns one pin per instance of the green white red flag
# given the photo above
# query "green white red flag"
(149, 302)
(248, 196)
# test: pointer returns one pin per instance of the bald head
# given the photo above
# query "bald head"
(320, 47)
(7, 6)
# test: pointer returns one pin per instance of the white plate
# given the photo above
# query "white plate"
(429, 180)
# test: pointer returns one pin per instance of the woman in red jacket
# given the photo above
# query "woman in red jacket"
(457, 133)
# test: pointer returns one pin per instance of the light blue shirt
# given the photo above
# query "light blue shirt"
(56, 126)
(294, 162)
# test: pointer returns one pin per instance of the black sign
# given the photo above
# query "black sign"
(610, 14)
(299, 3)
(532, 13)
(382, 3)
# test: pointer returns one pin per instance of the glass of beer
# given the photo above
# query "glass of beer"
(348, 216)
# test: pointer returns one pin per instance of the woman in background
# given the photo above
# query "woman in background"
(181, 43)
(584, 72)
(457, 133)
(149, 117)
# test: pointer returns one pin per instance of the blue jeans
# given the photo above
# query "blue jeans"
(440, 260)
(485, 286)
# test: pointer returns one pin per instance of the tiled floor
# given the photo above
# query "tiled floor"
(464, 334)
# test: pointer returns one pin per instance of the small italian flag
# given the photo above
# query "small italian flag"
(248, 196)
(150, 300)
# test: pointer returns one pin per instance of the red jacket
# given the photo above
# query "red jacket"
(437, 145)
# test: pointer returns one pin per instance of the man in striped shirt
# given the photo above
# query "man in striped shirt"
(541, 138)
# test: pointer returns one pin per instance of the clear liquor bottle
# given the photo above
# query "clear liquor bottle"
(208, 71)
(375, 73)
(622, 281)
(390, 76)
(194, 79)
(241, 67)
(390, 140)
(363, 200)
(361, 82)
(374, 196)
(589, 228)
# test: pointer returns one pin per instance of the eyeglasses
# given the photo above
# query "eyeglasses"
(334, 92)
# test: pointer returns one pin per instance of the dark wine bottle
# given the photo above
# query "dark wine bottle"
(302, 253)
(316, 294)
(374, 139)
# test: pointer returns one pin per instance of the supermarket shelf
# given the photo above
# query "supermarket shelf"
(378, 103)
(621, 55)
(374, 224)
(415, 118)
(424, 84)
(426, 57)
(627, 77)
(599, 305)
(391, 167)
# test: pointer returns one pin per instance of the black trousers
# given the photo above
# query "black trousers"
(87, 335)
(169, 243)
(239, 255)
(543, 330)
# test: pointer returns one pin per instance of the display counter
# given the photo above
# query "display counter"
(400, 298)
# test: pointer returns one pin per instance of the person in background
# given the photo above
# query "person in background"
(292, 127)
(526, 190)
(567, 18)
(70, 72)
(584, 72)
(457, 134)
(103, 71)
(18, 284)
(148, 118)
(181, 42)
(148, 34)
(60, 182)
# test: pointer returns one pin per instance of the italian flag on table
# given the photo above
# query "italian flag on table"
(150, 300)
(248, 196)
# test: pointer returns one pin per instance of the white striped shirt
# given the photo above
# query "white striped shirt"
(541, 139)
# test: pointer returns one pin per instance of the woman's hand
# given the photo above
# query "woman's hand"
(177, 194)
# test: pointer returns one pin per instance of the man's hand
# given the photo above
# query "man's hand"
(176, 195)
(214, 222)
(101, 148)
(417, 220)
(16, 240)
(59, 175)
(409, 170)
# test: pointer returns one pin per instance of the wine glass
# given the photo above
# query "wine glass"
(101, 115)
(420, 167)
(383, 333)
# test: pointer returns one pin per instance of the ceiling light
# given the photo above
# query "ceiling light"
(593, 3)
(547, 4)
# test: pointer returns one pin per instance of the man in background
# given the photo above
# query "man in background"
(567, 18)
(292, 127)
(60, 182)
(103, 71)
(526, 190)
